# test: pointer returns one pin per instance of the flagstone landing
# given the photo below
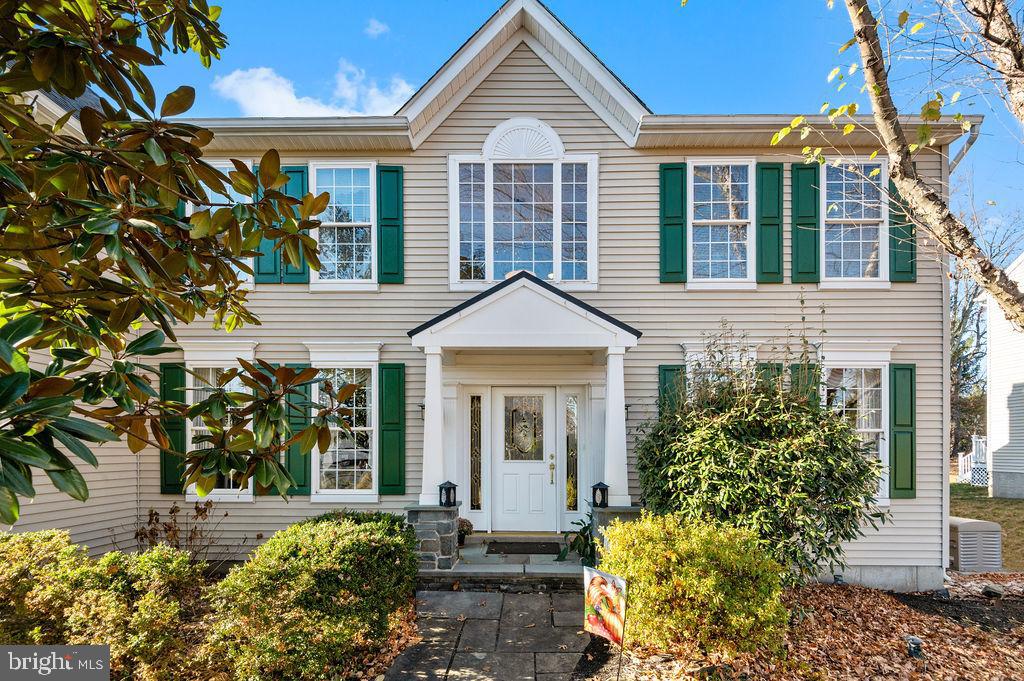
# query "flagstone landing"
(484, 636)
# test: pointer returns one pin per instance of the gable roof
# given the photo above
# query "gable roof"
(535, 281)
(530, 22)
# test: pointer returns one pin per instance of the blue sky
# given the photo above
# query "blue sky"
(341, 56)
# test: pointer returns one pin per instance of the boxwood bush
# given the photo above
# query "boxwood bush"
(701, 583)
(316, 599)
(760, 453)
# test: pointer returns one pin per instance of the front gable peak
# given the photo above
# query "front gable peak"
(515, 23)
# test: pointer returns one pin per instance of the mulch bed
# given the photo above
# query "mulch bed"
(849, 632)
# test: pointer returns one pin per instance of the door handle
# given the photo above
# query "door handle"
(551, 468)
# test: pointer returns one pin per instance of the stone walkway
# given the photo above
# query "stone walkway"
(483, 636)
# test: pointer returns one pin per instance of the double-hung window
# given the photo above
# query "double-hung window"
(346, 234)
(721, 234)
(348, 468)
(856, 239)
(860, 394)
(524, 204)
(201, 382)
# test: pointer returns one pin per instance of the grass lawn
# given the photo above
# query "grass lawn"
(968, 501)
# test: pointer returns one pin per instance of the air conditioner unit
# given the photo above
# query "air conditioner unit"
(975, 545)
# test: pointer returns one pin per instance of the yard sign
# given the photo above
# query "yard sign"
(604, 603)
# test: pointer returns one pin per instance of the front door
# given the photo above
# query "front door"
(523, 451)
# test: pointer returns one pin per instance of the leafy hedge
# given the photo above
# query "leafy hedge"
(315, 602)
(316, 599)
(701, 583)
(764, 456)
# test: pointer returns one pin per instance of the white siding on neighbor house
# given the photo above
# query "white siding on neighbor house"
(667, 314)
(1005, 412)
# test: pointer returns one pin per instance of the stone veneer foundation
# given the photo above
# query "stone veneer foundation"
(437, 536)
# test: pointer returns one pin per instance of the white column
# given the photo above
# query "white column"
(615, 473)
(433, 429)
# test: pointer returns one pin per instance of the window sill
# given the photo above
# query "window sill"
(327, 286)
(223, 497)
(484, 285)
(720, 286)
(854, 285)
(344, 498)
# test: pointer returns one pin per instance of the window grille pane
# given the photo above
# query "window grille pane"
(346, 235)
(348, 463)
(203, 383)
(720, 251)
(856, 394)
(523, 238)
(853, 191)
(472, 244)
(721, 192)
(852, 250)
(574, 221)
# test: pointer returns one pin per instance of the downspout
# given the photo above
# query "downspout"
(971, 139)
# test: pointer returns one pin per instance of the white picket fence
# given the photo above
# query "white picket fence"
(972, 466)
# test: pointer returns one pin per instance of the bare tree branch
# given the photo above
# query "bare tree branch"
(1003, 47)
(927, 208)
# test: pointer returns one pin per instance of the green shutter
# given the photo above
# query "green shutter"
(902, 240)
(391, 422)
(806, 379)
(296, 187)
(806, 223)
(673, 222)
(902, 431)
(172, 465)
(390, 225)
(769, 371)
(268, 263)
(769, 223)
(671, 385)
(299, 464)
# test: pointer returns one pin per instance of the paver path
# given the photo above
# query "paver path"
(478, 636)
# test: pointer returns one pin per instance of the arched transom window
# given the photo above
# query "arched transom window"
(523, 203)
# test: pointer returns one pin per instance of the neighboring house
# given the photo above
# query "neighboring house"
(1005, 409)
(520, 259)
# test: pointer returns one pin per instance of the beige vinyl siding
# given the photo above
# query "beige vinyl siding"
(108, 519)
(1005, 412)
(667, 314)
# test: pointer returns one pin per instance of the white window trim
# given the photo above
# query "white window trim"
(247, 280)
(347, 355)
(593, 221)
(749, 282)
(871, 354)
(881, 282)
(371, 284)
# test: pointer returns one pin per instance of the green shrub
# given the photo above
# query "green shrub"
(41, 574)
(316, 599)
(147, 607)
(759, 455)
(700, 583)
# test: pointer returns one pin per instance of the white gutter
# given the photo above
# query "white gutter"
(971, 139)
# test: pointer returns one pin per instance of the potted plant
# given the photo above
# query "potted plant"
(465, 529)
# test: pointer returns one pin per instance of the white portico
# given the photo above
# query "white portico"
(524, 405)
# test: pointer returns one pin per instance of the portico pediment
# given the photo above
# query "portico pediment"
(524, 312)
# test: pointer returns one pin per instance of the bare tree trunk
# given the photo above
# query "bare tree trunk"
(1003, 46)
(926, 206)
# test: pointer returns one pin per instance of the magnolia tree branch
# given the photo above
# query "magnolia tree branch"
(1001, 39)
(927, 207)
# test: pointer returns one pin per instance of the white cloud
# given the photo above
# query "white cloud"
(261, 91)
(375, 28)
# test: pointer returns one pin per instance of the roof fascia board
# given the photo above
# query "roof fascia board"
(589, 62)
(460, 60)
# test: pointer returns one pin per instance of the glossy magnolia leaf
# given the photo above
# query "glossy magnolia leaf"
(86, 430)
(12, 387)
(10, 509)
(21, 328)
(70, 482)
(151, 343)
(73, 445)
(178, 102)
(26, 452)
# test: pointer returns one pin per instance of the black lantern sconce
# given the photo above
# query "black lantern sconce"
(447, 493)
(600, 495)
